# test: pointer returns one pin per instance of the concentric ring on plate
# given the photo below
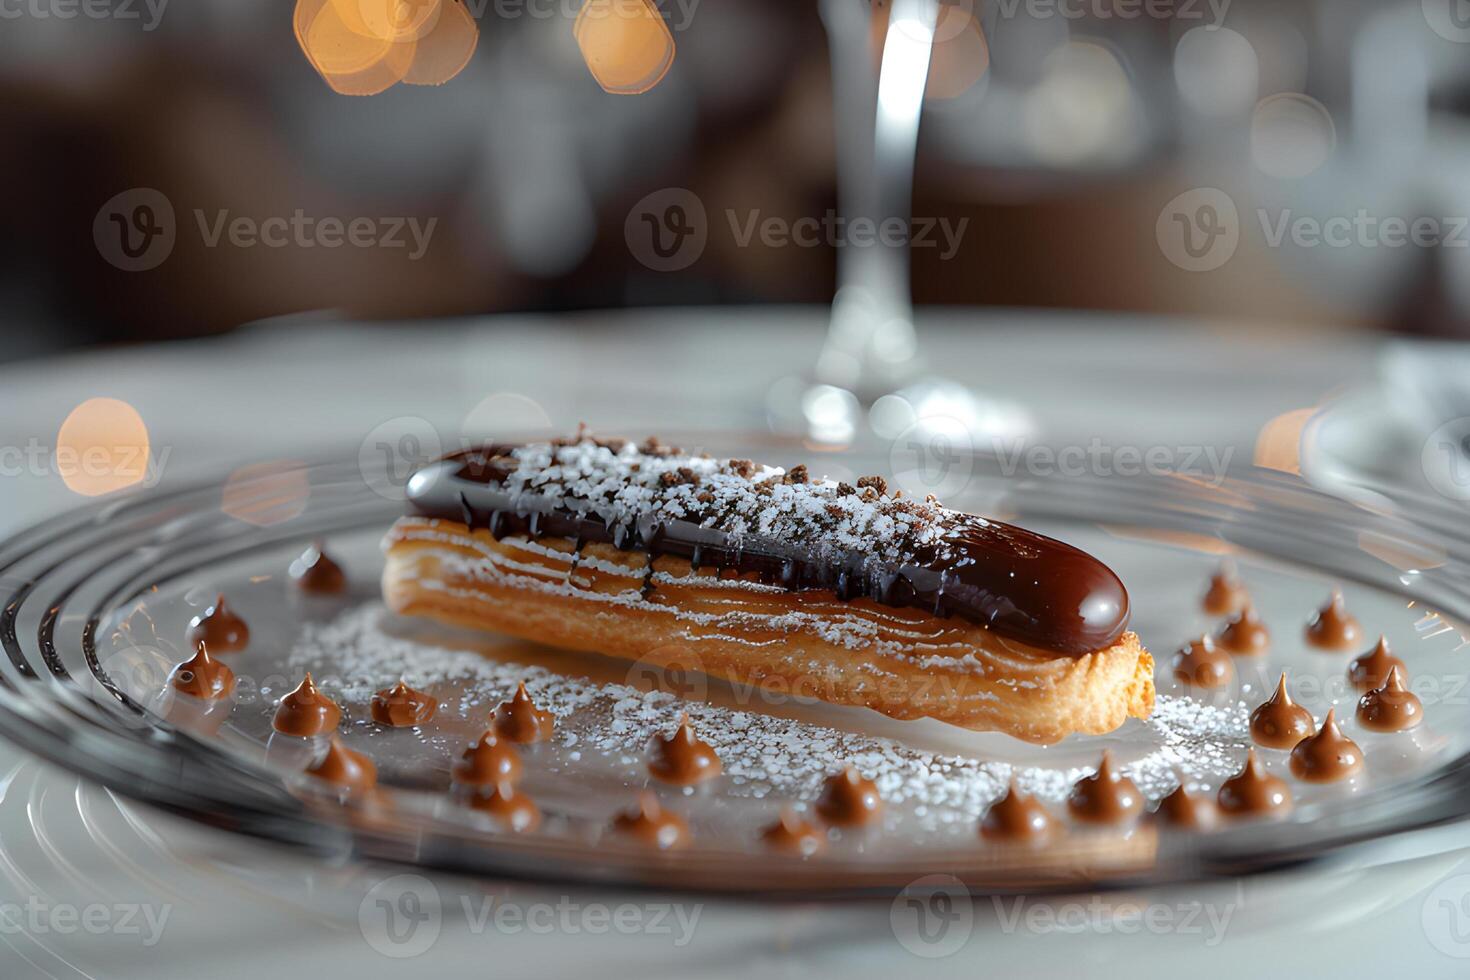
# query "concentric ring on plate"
(71, 584)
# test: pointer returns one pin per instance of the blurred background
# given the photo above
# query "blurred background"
(1057, 136)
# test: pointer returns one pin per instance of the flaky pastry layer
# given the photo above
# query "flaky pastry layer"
(899, 661)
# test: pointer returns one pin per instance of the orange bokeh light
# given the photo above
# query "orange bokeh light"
(961, 57)
(626, 44)
(102, 446)
(445, 48)
(391, 20)
(267, 493)
(1279, 445)
(363, 47)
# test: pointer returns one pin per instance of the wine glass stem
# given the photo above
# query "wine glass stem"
(870, 339)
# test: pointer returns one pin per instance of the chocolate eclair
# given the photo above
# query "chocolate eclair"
(757, 574)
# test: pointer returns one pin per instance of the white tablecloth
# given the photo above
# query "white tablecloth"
(240, 909)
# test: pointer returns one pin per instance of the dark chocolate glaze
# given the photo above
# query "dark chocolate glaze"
(1018, 583)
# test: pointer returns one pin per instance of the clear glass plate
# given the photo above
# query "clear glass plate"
(96, 605)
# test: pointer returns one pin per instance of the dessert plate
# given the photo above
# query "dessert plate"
(97, 604)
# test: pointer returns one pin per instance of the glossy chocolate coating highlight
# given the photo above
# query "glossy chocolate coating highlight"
(1022, 585)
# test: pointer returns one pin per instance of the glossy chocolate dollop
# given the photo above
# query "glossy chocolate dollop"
(1245, 634)
(345, 767)
(683, 758)
(400, 706)
(849, 800)
(510, 807)
(306, 711)
(1022, 585)
(202, 676)
(1279, 722)
(1391, 707)
(1105, 797)
(793, 835)
(521, 721)
(219, 629)
(489, 761)
(1182, 808)
(1254, 792)
(1016, 817)
(1333, 627)
(1226, 594)
(314, 571)
(1326, 756)
(653, 825)
(1201, 664)
(1371, 669)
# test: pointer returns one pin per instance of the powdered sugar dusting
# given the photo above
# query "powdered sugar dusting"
(764, 756)
(620, 483)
